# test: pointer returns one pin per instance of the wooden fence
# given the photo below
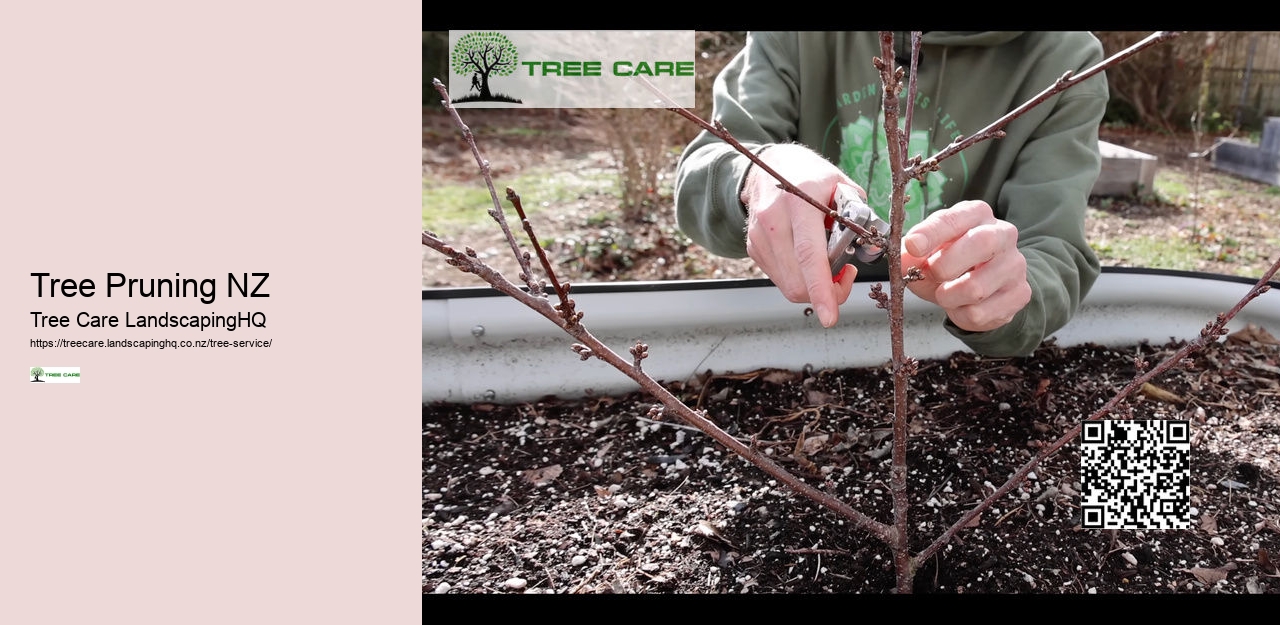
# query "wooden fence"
(1244, 75)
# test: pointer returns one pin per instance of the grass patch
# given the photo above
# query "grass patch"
(450, 206)
(1172, 187)
(1184, 254)
(1160, 253)
(515, 131)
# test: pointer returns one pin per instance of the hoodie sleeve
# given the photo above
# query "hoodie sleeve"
(755, 97)
(1046, 197)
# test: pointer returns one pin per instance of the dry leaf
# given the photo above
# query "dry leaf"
(881, 451)
(914, 427)
(975, 521)
(707, 530)
(1157, 393)
(723, 558)
(1269, 524)
(543, 476)
(1251, 586)
(779, 376)
(1265, 563)
(1252, 334)
(816, 398)
(975, 391)
(1210, 577)
(815, 444)
(1209, 523)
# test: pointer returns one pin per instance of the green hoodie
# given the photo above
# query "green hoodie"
(820, 89)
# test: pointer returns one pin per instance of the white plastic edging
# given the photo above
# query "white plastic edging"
(492, 348)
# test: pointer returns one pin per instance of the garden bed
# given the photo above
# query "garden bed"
(597, 496)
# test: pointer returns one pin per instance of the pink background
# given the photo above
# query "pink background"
(255, 485)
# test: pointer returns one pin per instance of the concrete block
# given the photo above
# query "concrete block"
(1124, 171)
(1256, 162)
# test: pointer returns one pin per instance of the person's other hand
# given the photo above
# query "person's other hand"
(786, 236)
(971, 265)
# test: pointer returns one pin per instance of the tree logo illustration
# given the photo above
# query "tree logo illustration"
(864, 156)
(36, 372)
(480, 56)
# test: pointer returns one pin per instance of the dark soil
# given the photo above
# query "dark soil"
(597, 496)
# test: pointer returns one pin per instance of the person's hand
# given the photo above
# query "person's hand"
(786, 236)
(971, 265)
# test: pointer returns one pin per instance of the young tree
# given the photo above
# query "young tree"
(905, 167)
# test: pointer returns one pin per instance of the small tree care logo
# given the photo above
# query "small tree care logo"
(54, 375)
(479, 56)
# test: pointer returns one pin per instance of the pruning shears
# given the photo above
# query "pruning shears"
(843, 244)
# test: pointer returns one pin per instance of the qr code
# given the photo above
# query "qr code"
(1135, 475)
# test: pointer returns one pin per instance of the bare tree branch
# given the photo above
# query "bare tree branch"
(993, 130)
(717, 129)
(496, 212)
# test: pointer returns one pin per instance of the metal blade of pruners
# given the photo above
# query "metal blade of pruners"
(843, 244)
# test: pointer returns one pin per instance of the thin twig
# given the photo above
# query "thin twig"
(830, 552)
(566, 304)
(1068, 80)
(496, 212)
(717, 129)
(912, 86)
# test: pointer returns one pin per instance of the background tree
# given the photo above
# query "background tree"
(1158, 89)
(435, 62)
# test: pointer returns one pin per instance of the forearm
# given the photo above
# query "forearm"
(754, 98)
